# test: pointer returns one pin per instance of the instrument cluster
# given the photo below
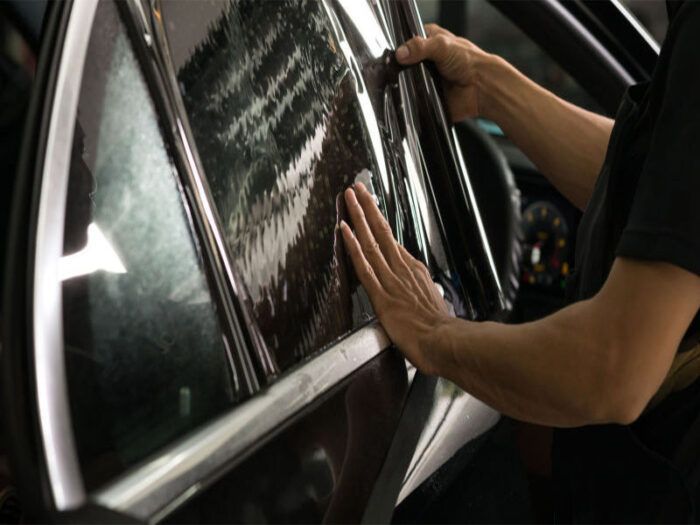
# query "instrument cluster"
(546, 246)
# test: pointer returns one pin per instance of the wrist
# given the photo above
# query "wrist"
(437, 347)
(498, 81)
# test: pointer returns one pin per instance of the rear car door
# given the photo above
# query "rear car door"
(184, 337)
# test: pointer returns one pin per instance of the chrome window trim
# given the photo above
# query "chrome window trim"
(58, 442)
(577, 27)
(154, 489)
(638, 26)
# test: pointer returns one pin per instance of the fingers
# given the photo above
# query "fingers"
(370, 248)
(417, 49)
(379, 226)
(384, 268)
(363, 268)
(421, 275)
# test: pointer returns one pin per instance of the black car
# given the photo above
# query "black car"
(184, 339)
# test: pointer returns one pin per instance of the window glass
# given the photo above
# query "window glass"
(145, 358)
(274, 111)
(484, 25)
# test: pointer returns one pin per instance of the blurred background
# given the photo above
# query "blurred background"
(488, 28)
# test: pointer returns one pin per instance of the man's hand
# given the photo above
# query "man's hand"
(480, 84)
(402, 292)
(461, 65)
(595, 361)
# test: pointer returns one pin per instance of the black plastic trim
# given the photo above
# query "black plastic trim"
(416, 410)
(607, 23)
(544, 22)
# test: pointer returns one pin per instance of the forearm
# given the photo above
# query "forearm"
(542, 372)
(565, 142)
(596, 361)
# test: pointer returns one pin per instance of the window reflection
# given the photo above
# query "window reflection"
(274, 110)
(145, 358)
(98, 254)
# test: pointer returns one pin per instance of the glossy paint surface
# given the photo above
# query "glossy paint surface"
(322, 467)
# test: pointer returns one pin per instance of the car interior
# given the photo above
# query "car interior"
(530, 226)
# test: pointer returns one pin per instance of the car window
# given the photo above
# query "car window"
(145, 358)
(273, 108)
(488, 28)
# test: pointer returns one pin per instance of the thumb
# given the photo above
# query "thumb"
(418, 49)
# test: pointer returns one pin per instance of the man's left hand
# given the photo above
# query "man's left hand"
(403, 294)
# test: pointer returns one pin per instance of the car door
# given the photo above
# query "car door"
(184, 338)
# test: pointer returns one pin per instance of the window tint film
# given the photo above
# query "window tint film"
(274, 111)
(145, 357)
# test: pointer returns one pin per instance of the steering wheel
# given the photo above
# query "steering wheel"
(498, 199)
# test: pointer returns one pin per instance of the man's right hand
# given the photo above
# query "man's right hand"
(565, 142)
(461, 64)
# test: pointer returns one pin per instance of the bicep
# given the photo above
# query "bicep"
(645, 308)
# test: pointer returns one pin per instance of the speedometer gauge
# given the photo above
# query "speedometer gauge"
(545, 251)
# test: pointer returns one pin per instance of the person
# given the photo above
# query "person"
(615, 372)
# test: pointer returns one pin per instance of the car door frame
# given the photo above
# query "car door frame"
(41, 444)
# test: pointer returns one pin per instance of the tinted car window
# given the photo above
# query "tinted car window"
(145, 358)
(274, 111)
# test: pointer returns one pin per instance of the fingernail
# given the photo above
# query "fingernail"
(343, 224)
(402, 53)
(361, 186)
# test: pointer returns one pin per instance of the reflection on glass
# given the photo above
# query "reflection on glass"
(145, 357)
(362, 16)
(98, 254)
(275, 113)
